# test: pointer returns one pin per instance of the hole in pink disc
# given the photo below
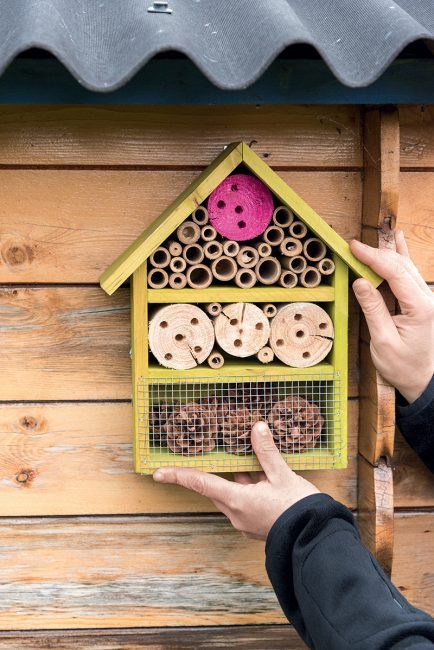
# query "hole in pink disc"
(238, 209)
(221, 204)
(241, 224)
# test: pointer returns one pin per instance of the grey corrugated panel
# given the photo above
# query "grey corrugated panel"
(104, 42)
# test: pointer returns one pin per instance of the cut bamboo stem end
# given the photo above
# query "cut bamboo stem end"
(175, 248)
(288, 279)
(314, 249)
(158, 278)
(265, 355)
(291, 246)
(193, 253)
(301, 334)
(273, 235)
(269, 310)
(212, 250)
(263, 249)
(296, 264)
(242, 329)
(213, 308)
(199, 276)
(200, 216)
(248, 257)
(160, 258)
(245, 278)
(268, 270)
(283, 216)
(310, 277)
(178, 280)
(177, 264)
(208, 233)
(231, 248)
(224, 268)
(298, 229)
(326, 266)
(181, 336)
(188, 232)
(215, 360)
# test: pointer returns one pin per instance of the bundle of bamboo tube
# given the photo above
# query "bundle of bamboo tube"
(286, 254)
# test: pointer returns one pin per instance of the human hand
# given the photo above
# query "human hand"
(402, 346)
(251, 507)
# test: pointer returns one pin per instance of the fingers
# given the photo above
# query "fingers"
(378, 318)
(243, 478)
(393, 268)
(208, 485)
(268, 455)
(401, 244)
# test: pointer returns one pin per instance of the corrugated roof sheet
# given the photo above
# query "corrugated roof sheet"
(104, 42)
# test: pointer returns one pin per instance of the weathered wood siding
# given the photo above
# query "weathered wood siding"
(78, 185)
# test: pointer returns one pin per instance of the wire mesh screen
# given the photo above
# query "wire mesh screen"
(207, 424)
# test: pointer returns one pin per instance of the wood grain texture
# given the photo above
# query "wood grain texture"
(77, 459)
(320, 136)
(416, 218)
(73, 343)
(417, 136)
(69, 225)
(149, 572)
(246, 637)
(413, 482)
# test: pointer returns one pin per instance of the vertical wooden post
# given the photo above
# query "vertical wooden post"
(377, 398)
(139, 346)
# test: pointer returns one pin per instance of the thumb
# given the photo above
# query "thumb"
(267, 453)
(378, 318)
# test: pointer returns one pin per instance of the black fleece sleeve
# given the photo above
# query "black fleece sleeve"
(416, 423)
(330, 587)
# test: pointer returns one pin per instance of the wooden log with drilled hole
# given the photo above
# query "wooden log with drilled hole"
(160, 258)
(301, 334)
(224, 268)
(193, 253)
(288, 279)
(242, 329)
(273, 235)
(231, 248)
(296, 264)
(177, 264)
(269, 310)
(283, 216)
(326, 266)
(181, 336)
(188, 232)
(213, 308)
(158, 278)
(245, 278)
(177, 280)
(212, 250)
(263, 249)
(290, 246)
(310, 277)
(208, 233)
(314, 249)
(216, 360)
(174, 247)
(268, 270)
(200, 216)
(247, 257)
(265, 354)
(298, 229)
(199, 276)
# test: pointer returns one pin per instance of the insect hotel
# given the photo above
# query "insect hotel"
(239, 297)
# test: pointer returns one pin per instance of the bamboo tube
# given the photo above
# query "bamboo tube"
(245, 278)
(199, 276)
(158, 278)
(269, 310)
(208, 233)
(288, 279)
(200, 215)
(268, 270)
(298, 229)
(215, 360)
(242, 329)
(296, 264)
(265, 355)
(283, 216)
(160, 258)
(224, 268)
(177, 264)
(326, 266)
(181, 336)
(314, 249)
(310, 277)
(193, 253)
(273, 235)
(231, 248)
(175, 248)
(177, 280)
(248, 257)
(213, 308)
(301, 334)
(212, 250)
(291, 246)
(188, 232)
(263, 249)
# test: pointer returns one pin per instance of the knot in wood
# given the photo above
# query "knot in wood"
(25, 476)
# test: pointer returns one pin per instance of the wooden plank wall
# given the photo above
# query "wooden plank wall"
(87, 545)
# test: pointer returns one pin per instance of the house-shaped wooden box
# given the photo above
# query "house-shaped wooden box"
(201, 416)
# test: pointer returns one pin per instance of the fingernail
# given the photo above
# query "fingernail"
(262, 428)
(362, 289)
(159, 475)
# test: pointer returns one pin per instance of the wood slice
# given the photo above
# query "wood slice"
(265, 355)
(200, 215)
(248, 257)
(212, 250)
(181, 336)
(301, 334)
(188, 232)
(242, 329)
(283, 216)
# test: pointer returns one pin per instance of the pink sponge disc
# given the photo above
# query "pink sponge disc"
(241, 207)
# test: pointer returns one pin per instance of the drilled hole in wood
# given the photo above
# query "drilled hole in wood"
(239, 209)
(279, 342)
(241, 224)
(306, 355)
(297, 317)
(168, 356)
(238, 343)
(322, 326)
(179, 337)
(194, 321)
(221, 204)
(234, 188)
(233, 321)
(299, 334)
(164, 324)
(197, 348)
(259, 326)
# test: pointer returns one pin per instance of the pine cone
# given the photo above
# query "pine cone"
(236, 429)
(159, 413)
(191, 429)
(258, 399)
(295, 424)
